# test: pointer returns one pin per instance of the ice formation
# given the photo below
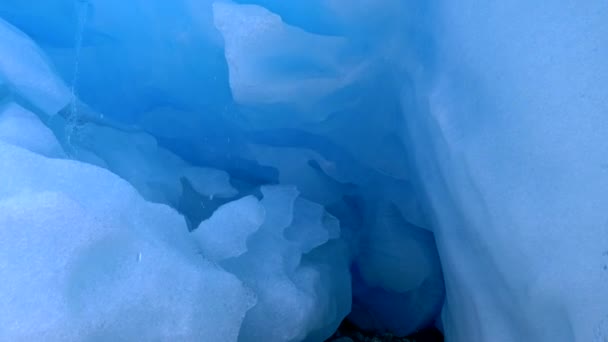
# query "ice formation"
(260, 170)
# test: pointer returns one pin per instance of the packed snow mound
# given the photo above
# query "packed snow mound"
(108, 278)
(94, 264)
(16, 120)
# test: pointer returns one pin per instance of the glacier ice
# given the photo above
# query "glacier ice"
(224, 235)
(273, 63)
(291, 288)
(16, 120)
(28, 73)
(261, 170)
(77, 265)
(516, 181)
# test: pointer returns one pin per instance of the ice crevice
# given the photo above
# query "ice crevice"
(262, 170)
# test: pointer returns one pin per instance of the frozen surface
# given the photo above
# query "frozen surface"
(28, 73)
(517, 122)
(224, 235)
(292, 288)
(271, 62)
(20, 127)
(94, 264)
(257, 170)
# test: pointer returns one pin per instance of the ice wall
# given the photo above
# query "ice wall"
(258, 170)
(516, 122)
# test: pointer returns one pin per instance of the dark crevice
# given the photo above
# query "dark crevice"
(348, 330)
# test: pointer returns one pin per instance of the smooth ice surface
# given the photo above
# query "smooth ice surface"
(224, 235)
(271, 62)
(27, 71)
(209, 182)
(257, 170)
(20, 127)
(518, 117)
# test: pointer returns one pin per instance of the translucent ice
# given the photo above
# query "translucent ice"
(293, 288)
(271, 62)
(512, 154)
(20, 127)
(224, 235)
(256, 170)
(27, 71)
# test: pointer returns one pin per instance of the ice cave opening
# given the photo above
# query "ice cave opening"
(266, 170)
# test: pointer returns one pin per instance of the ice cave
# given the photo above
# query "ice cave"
(304, 170)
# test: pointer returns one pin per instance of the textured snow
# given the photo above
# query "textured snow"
(94, 264)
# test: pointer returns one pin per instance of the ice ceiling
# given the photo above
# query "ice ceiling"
(248, 171)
